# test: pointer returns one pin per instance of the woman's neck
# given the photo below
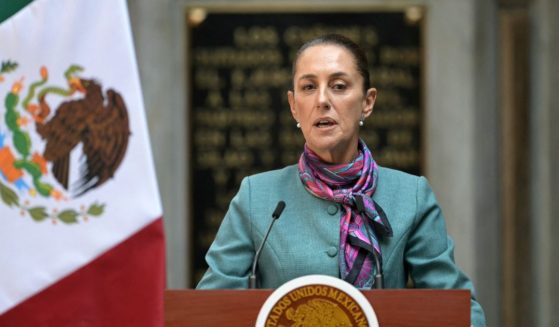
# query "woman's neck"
(339, 155)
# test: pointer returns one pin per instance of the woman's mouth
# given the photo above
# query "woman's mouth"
(324, 123)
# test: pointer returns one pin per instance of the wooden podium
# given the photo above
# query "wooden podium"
(403, 307)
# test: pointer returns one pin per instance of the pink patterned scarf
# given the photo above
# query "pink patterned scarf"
(342, 184)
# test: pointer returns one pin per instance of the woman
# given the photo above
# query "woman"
(334, 196)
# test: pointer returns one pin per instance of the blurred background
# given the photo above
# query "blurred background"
(475, 81)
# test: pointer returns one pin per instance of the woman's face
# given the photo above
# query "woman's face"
(328, 101)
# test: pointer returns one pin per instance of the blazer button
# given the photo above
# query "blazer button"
(332, 251)
(332, 209)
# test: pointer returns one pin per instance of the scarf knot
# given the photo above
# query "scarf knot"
(344, 184)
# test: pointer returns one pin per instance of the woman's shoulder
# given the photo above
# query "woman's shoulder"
(395, 186)
(267, 188)
(283, 174)
(391, 176)
(278, 180)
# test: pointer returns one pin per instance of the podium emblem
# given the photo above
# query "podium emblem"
(317, 300)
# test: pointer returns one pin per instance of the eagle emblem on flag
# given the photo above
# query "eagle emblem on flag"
(85, 119)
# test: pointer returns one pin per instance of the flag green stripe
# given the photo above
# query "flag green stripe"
(10, 7)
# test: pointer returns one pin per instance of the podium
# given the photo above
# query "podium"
(401, 307)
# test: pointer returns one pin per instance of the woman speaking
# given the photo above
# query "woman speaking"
(345, 216)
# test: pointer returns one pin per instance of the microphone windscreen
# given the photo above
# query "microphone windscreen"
(279, 210)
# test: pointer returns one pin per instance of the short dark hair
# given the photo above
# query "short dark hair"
(336, 39)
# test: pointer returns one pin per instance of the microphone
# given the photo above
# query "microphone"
(379, 278)
(275, 216)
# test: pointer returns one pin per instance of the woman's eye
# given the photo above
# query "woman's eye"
(339, 86)
(307, 87)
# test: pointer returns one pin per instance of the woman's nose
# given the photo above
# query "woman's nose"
(323, 100)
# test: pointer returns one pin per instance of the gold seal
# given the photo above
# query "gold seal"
(316, 305)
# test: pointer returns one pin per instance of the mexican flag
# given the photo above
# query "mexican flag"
(81, 231)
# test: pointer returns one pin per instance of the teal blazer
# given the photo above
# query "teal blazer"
(305, 239)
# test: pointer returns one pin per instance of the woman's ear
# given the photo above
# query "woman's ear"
(369, 102)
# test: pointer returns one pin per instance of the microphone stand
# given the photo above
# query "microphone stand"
(275, 216)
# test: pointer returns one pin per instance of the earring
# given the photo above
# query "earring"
(298, 125)
(360, 123)
(361, 120)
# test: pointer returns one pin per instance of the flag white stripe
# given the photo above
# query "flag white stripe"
(96, 35)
